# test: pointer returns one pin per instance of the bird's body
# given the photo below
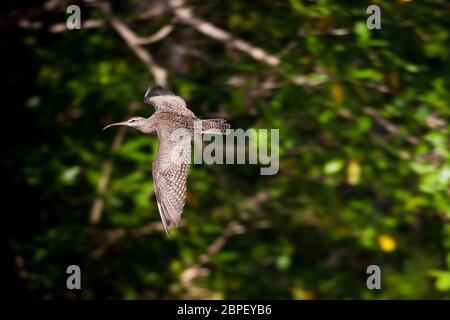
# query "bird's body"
(174, 124)
(169, 122)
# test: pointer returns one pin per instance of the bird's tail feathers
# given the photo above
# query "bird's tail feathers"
(215, 126)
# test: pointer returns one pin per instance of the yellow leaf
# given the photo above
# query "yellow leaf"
(323, 23)
(300, 294)
(394, 79)
(353, 172)
(386, 242)
(191, 198)
(337, 93)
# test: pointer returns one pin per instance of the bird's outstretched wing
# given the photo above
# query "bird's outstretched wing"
(166, 101)
(170, 171)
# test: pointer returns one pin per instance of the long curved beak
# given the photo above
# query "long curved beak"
(123, 123)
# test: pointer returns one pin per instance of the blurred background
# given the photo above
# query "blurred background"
(364, 149)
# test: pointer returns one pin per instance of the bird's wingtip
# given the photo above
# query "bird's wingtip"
(154, 91)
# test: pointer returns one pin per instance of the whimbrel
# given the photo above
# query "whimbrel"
(174, 124)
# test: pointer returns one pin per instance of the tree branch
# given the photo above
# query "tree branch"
(98, 204)
(132, 40)
(184, 14)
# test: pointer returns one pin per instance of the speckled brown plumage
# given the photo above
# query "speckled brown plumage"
(174, 123)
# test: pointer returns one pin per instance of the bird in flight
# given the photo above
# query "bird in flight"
(175, 125)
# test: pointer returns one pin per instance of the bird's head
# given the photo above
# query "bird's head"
(134, 122)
